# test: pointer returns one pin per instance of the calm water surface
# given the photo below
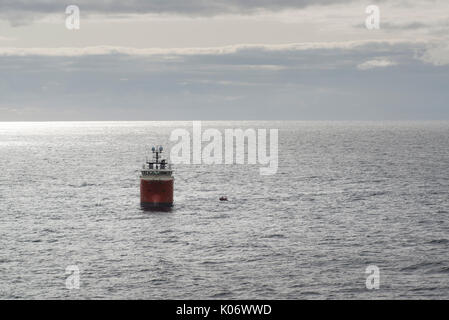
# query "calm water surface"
(347, 195)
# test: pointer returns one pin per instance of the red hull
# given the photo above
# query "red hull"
(156, 193)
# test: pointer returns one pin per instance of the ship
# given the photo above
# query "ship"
(156, 181)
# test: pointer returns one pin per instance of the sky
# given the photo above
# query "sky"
(224, 60)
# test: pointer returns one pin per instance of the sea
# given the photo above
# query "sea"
(356, 210)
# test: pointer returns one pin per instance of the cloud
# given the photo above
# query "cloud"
(376, 63)
(437, 54)
(187, 7)
(413, 25)
(25, 12)
(290, 81)
(169, 53)
(45, 76)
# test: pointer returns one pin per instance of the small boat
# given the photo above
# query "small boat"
(223, 198)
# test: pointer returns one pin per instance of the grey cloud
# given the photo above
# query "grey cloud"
(245, 57)
(194, 7)
(389, 26)
(247, 83)
(20, 12)
(405, 26)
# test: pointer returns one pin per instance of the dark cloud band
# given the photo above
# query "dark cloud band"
(185, 7)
